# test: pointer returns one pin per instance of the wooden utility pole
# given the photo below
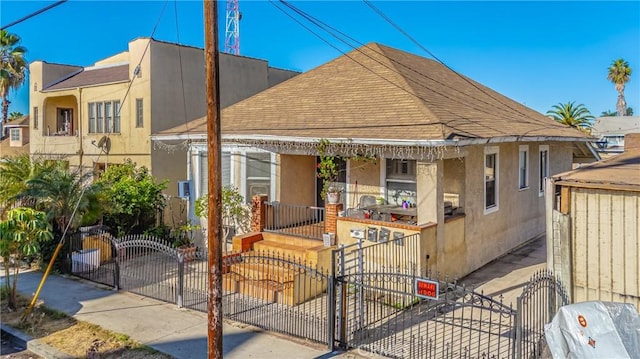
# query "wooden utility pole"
(214, 298)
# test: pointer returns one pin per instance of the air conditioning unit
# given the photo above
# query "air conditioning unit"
(184, 189)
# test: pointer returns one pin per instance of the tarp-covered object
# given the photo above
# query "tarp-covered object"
(594, 330)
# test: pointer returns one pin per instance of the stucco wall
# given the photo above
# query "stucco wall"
(520, 214)
(296, 180)
(277, 76)
(364, 180)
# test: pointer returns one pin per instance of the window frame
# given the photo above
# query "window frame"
(491, 151)
(139, 113)
(523, 177)
(13, 131)
(105, 117)
(543, 172)
(398, 176)
(35, 117)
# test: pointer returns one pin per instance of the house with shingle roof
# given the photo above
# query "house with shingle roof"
(98, 115)
(17, 141)
(453, 160)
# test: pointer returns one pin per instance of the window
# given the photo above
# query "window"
(35, 117)
(544, 167)
(258, 167)
(15, 134)
(204, 175)
(108, 125)
(401, 181)
(98, 169)
(104, 117)
(523, 167)
(116, 116)
(99, 118)
(491, 169)
(92, 118)
(139, 117)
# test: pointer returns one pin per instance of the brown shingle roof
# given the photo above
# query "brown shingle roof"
(617, 172)
(376, 92)
(89, 77)
(20, 121)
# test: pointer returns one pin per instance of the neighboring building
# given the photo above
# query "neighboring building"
(17, 140)
(470, 160)
(610, 132)
(103, 114)
(593, 233)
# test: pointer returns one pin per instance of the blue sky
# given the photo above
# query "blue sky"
(537, 53)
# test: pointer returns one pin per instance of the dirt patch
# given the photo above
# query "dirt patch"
(77, 338)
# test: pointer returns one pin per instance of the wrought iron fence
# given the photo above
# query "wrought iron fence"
(367, 300)
(302, 221)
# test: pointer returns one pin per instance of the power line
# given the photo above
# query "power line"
(33, 14)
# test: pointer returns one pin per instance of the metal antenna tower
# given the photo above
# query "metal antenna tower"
(232, 34)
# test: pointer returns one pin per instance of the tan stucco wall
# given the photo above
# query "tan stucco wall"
(520, 214)
(296, 184)
(364, 180)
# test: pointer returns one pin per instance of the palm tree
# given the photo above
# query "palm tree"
(20, 236)
(619, 74)
(575, 116)
(59, 191)
(15, 115)
(13, 69)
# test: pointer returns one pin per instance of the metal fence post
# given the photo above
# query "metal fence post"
(331, 310)
(116, 273)
(517, 349)
(180, 279)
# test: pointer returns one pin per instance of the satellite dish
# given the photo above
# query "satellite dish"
(103, 139)
(105, 144)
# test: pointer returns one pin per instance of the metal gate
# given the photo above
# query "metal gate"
(92, 255)
(277, 293)
(378, 309)
(540, 300)
(148, 267)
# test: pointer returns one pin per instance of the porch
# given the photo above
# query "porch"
(303, 225)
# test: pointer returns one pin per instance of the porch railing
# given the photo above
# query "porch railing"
(302, 221)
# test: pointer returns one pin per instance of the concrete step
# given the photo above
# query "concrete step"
(260, 271)
(293, 240)
(287, 251)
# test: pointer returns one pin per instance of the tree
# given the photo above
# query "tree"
(66, 196)
(133, 196)
(15, 115)
(608, 113)
(13, 69)
(574, 116)
(620, 74)
(236, 214)
(20, 236)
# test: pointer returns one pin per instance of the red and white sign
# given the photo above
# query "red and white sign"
(427, 289)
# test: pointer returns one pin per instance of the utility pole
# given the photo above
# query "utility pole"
(214, 222)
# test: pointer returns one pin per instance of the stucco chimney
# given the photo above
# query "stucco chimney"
(632, 143)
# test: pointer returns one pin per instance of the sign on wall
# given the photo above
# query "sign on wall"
(427, 289)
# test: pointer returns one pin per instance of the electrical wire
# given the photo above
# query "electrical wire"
(33, 14)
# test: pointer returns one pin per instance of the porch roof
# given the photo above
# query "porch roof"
(379, 93)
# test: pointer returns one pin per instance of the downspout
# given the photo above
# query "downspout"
(190, 199)
(79, 129)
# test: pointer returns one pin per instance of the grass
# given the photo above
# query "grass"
(76, 338)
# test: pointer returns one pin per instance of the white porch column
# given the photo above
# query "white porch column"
(430, 206)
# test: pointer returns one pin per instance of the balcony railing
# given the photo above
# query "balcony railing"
(302, 221)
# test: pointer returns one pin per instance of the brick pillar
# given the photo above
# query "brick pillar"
(331, 217)
(258, 212)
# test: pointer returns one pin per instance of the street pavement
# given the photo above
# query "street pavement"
(182, 333)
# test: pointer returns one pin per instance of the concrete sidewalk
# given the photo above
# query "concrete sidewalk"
(181, 333)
